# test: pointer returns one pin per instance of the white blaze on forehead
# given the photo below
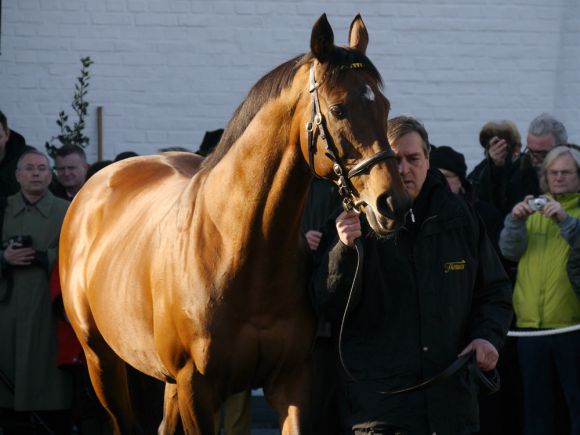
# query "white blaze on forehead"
(369, 94)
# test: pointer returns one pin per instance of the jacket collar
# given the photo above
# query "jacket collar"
(567, 200)
(43, 205)
(422, 203)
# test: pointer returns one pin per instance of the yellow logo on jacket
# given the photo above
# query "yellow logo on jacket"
(454, 265)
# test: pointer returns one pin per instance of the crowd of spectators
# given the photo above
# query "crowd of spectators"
(526, 198)
(515, 216)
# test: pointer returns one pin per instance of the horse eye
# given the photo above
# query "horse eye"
(338, 111)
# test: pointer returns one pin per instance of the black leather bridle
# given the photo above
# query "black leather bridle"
(349, 200)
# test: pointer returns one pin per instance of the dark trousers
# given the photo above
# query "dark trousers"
(324, 411)
(501, 413)
(549, 364)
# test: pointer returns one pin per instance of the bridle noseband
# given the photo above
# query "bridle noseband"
(349, 200)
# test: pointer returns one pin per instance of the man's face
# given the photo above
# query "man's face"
(413, 163)
(71, 171)
(539, 147)
(34, 174)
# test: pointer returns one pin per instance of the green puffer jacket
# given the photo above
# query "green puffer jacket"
(543, 296)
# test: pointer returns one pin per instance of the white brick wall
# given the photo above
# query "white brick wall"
(167, 70)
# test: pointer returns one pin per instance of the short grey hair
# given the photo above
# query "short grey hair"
(545, 124)
(27, 153)
(551, 157)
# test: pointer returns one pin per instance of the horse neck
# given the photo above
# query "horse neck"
(258, 191)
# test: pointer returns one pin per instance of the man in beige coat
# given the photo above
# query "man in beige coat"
(31, 384)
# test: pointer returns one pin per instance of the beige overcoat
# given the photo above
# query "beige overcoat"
(28, 341)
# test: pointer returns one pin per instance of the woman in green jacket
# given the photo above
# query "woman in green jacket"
(538, 233)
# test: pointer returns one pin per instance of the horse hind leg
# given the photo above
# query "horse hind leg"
(171, 418)
(289, 396)
(197, 402)
(146, 399)
(108, 375)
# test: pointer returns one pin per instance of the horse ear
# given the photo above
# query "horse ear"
(322, 39)
(358, 37)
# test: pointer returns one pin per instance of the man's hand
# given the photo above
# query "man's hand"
(348, 227)
(486, 354)
(313, 237)
(16, 255)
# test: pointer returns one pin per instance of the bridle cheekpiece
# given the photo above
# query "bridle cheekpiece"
(349, 200)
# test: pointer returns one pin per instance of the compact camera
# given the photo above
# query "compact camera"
(24, 241)
(537, 204)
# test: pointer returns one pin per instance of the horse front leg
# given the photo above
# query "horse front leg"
(289, 395)
(197, 401)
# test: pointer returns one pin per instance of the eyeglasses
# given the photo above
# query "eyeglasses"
(565, 174)
(536, 154)
(32, 168)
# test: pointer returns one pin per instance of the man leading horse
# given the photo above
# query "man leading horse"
(433, 292)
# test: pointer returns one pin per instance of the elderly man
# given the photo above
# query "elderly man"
(71, 171)
(31, 382)
(434, 291)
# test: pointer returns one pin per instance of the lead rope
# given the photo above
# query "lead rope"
(492, 383)
(355, 283)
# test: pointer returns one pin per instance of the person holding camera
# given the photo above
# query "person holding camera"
(502, 145)
(538, 234)
(32, 388)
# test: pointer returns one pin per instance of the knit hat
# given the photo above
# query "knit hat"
(444, 157)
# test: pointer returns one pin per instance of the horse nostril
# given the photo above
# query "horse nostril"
(385, 205)
(389, 207)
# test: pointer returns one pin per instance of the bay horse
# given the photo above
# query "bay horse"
(195, 272)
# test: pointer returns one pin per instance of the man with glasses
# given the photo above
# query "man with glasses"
(71, 171)
(506, 185)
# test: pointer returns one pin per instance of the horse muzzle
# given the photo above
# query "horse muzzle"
(388, 213)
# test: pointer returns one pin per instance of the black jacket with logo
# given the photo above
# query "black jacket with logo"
(425, 294)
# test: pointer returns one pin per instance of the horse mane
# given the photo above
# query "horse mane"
(273, 83)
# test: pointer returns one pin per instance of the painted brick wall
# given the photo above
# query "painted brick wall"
(168, 70)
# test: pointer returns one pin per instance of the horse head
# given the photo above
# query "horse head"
(345, 136)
